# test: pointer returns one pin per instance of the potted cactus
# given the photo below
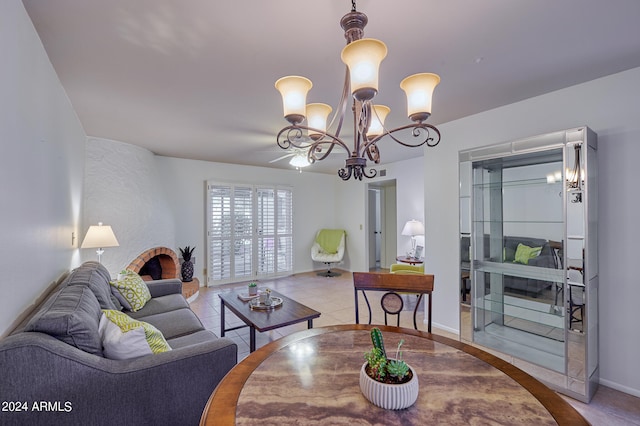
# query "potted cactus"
(187, 264)
(253, 288)
(389, 383)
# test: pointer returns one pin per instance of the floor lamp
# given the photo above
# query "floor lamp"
(100, 236)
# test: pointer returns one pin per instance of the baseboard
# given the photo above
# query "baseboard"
(444, 327)
(619, 387)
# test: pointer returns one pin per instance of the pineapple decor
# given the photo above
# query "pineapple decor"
(187, 264)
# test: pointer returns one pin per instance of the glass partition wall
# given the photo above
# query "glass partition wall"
(528, 269)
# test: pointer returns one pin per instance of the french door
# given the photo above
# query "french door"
(249, 232)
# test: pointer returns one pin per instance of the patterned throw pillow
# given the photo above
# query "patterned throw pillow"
(124, 337)
(524, 253)
(133, 291)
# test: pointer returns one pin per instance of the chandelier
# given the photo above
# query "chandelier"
(362, 57)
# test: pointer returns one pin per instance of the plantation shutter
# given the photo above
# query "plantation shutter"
(250, 232)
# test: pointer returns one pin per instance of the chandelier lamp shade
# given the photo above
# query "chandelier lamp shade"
(100, 236)
(362, 57)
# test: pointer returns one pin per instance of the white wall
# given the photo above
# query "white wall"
(123, 190)
(41, 168)
(409, 177)
(185, 183)
(609, 106)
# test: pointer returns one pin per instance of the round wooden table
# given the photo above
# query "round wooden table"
(409, 260)
(312, 376)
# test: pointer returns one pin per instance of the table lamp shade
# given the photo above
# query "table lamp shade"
(99, 236)
(413, 228)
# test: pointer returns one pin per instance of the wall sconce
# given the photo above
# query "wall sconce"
(100, 236)
(575, 176)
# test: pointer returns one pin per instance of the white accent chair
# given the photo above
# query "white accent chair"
(319, 255)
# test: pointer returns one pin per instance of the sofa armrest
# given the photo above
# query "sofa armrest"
(168, 388)
(159, 288)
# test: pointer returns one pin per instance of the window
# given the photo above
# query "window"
(250, 232)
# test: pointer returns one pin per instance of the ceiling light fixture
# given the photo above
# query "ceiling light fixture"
(299, 160)
(362, 57)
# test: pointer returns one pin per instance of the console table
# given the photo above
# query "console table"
(314, 374)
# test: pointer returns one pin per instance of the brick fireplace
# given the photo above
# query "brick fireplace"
(170, 268)
(167, 258)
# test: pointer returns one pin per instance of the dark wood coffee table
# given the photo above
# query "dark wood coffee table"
(290, 312)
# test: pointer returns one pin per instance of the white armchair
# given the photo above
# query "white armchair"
(328, 248)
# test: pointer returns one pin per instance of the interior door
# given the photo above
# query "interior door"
(375, 228)
(382, 224)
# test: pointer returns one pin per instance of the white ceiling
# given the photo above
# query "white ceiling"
(194, 78)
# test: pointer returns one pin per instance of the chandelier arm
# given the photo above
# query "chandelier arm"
(345, 173)
(417, 130)
(342, 105)
(334, 140)
(291, 136)
(373, 153)
(315, 149)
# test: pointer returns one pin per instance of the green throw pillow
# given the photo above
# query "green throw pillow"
(133, 290)
(124, 337)
(524, 253)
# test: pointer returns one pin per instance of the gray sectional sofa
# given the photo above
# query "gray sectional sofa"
(518, 285)
(54, 372)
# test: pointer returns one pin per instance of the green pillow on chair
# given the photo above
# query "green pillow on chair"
(525, 253)
(403, 268)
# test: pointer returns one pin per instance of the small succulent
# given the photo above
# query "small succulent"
(382, 369)
(253, 284)
(187, 252)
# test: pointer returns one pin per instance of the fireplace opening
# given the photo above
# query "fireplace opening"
(156, 263)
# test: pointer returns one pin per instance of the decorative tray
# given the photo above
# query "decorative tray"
(256, 304)
(246, 296)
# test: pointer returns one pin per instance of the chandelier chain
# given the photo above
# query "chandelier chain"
(353, 5)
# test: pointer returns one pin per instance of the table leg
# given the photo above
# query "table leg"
(222, 330)
(252, 338)
(310, 323)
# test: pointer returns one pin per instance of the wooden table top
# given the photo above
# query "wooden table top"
(313, 376)
(290, 312)
(411, 260)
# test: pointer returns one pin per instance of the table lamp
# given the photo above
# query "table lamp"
(412, 228)
(99, 236)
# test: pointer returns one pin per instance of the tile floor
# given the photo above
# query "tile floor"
(333, 297)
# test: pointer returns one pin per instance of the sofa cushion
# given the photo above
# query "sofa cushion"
(511, 245)
(124, 337)
(175, 323)
(192, 339)
(157, 305)
(133, 291)
(524, 253)
(71, 315)
(95, 276)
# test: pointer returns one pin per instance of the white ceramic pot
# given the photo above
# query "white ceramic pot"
(390, 397)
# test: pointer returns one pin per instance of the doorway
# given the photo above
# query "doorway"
(381, 224)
